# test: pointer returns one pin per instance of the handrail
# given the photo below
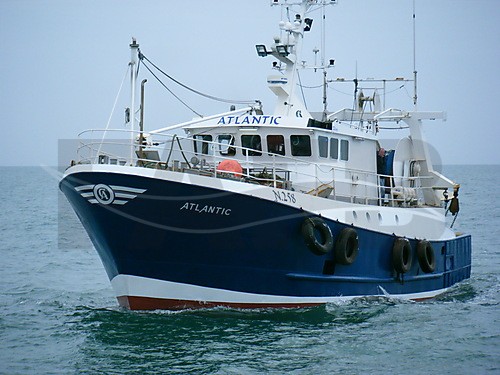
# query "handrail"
(282, 170)
(201, 119)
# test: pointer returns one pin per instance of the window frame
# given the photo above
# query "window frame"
(226, 149)
(203, 140)
(252, 151)
(344, 150)
(322, 147)
(274, 151)
(334, 142)
(295, 148)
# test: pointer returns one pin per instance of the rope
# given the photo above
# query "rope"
(453, 223)
(170, 91)
(309, 87)
(113, 110)
(301, 89)
(142, 57)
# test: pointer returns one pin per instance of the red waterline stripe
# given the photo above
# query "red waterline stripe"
(148, 303)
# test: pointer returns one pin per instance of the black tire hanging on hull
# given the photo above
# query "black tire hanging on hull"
(346, 246)
(317, 246)
(426, 257)
(401, 255)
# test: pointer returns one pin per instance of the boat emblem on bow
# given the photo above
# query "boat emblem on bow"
(108, 194)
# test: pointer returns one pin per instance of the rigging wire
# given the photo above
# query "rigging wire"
(301, 89)
(143, 57)
(310, 87)
(113, 110)
(407, 93)
(170, 91)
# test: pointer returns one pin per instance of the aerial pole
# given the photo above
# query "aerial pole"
(325, 81)
(141, 122)
(414, 62)
(134, 49)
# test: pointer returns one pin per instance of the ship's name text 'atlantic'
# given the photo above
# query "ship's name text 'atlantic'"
(206, 209)
(249, 120)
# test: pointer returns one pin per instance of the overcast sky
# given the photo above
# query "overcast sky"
(62, 62)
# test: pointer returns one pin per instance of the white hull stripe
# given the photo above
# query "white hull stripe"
(127, 189)
(84, 187)
(135, 286)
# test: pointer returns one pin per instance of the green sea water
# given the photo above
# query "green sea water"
(58, 314)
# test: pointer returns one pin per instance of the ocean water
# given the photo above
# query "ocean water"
(58, 314)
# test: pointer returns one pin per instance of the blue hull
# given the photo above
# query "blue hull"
(193, 235)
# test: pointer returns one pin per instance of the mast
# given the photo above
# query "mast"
(141, 123)
(287, 49)
(134, 49)
(297, 33)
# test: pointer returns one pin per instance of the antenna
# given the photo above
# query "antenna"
(414, 61)
(325, 81)
(355, 85)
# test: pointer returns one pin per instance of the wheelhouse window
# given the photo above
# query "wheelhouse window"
(225, 142)
(252, 142)
(201, 143)
(334, 148)
(276, 144)
(301, 145)
(323, 146)
(344, 150)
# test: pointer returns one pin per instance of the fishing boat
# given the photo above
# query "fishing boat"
(282, 209)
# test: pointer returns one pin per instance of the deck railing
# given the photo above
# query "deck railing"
(175, 153)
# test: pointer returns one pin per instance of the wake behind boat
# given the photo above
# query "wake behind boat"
(250, 209)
